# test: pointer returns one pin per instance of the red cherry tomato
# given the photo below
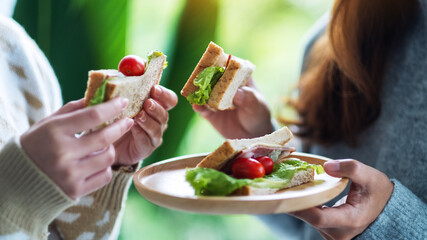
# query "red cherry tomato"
(267, 163)
(132, 65)
(247, 168)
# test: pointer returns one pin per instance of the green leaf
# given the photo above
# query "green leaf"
(210, 182)
(99, 95)
(205, 80)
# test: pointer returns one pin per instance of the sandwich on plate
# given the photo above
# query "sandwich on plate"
(216, 78)
(133, 80)
(256, 166)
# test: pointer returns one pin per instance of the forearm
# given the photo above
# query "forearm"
(99, 214)
(29, 200)
(404, 217)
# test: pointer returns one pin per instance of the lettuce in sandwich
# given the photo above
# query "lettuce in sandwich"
(205, 80)
(211, 182)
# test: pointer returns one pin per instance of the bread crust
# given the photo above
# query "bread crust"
(211, 56)
(217, 158)
(135, 88)
(95, 80)
(235, 75)
(224, 83)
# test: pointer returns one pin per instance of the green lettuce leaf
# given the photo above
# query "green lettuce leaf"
(283, 173)
(296, 164)
(210, 182)
(205, 80)
(98, 97)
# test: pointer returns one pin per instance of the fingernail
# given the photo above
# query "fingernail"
(124, 102)
(150, 104)
(129, 123)
(332, 166)
(143, 117)
(238, 97)
(157, 91)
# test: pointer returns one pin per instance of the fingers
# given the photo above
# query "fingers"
(355, 170)
(91, 117)
(153, 121)
(322, 218)
(97, 161)
(71, 106)
(156, 111)
(96, 181)
(164, 97)
(369, 192)
(105, 136)
(248, 98)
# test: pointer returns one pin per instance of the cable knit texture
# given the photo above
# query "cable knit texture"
(31, 205)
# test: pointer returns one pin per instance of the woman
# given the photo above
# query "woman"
(49, 177)
(362, 95)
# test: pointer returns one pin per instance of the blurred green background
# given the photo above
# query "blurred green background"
(80, 35)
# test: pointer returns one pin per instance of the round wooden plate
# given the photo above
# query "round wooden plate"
(164, 184)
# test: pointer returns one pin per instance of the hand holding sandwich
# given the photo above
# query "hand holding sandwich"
(250, 117)
(78, 165)
(150, 123)
(52, 142)
(370, 191)
(222, 90)
(136, 80)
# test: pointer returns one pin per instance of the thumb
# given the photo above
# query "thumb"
(349, 168)
(249, 99)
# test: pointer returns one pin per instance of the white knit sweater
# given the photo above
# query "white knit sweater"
(29, 200)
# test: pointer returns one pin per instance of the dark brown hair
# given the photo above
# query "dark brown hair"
(339, 92)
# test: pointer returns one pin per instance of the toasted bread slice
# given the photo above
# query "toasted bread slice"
(231, 147)
(135, 88)
(213, 56)
(235, 75)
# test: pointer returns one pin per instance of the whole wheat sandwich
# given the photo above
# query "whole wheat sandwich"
(216, 78)
(106, 84)
(253, 166)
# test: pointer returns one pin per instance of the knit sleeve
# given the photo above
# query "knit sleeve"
(98, 215)
(404, 217)
(29, 200)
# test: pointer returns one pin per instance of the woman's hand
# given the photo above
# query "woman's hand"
(78, 165)
(370, 191)
(146, 135)
(250, 118)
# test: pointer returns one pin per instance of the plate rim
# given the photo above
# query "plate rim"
(339, 186)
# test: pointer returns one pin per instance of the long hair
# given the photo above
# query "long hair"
(340, 90)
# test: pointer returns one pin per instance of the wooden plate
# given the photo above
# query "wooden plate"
(164, 184)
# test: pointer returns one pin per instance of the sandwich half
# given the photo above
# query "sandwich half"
(214, 176)
(106, 84)
(216, 78)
